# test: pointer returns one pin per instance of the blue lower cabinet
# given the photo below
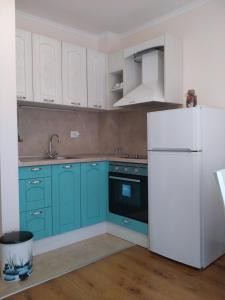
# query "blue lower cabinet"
(66, 197)
(94, 192)
(128, 223)
(38, 221)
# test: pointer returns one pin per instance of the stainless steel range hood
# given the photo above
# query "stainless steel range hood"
(152, 86)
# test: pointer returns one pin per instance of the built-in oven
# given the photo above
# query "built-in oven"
(128, 190)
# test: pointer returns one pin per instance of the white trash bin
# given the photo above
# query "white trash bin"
(16, 255)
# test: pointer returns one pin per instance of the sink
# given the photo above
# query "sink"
(64, 157)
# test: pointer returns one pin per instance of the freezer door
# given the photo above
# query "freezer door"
(174, 206)
(176, 129)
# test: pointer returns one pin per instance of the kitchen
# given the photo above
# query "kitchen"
(90, 127)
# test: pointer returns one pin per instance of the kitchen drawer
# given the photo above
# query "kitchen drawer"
(35, 193)
(128, 223)
(38, 221)
(34, 172)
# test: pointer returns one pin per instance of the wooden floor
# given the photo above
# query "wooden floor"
(134, 273)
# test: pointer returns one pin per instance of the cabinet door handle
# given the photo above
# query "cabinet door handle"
(93, 165)
(67, 167)
(97, 106)
(36, 169)
(34, 182)
(49, 100)
(125, 221)
(75, 103)
(36, 213)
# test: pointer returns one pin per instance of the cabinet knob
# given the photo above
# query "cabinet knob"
(75, 103)
(34, 181)
(67, 167)
(21, 97)
(36, 213)
(49, 100)
(97, 106)
(125, 221)
(35, 169)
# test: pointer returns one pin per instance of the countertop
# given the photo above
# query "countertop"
(32, 161)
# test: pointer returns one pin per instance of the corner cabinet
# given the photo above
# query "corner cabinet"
(47, 74)
(94, 192)
(66, 197)
(74, 72)
(96, 78)
(24, 88)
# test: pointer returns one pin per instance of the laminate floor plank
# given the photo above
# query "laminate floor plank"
(134, 273)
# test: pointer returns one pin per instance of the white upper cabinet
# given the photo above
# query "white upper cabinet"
(47, 74)
(74, 75)
(24, 65)
(96, 70)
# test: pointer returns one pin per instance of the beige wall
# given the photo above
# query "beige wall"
(100, 133)
(202, 31)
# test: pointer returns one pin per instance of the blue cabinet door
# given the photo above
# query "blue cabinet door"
(66, 197)
(35, 193)
(38, 221)
(94, 192)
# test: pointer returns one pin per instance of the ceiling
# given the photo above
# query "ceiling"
(99, 16)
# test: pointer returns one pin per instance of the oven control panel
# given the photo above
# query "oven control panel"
(124, 168)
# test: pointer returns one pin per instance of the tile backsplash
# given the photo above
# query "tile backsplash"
(100, 132)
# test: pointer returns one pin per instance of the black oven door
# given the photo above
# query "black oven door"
(128, 196)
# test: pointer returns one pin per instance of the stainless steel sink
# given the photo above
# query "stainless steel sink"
(64, 157)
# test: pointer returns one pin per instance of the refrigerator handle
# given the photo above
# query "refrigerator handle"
(173, 150)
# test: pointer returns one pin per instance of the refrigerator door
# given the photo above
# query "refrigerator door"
(175, 129)
(174, 206)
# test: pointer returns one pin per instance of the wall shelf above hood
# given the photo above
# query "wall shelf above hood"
(153, 72)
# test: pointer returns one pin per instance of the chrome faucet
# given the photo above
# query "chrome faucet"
(51, 153)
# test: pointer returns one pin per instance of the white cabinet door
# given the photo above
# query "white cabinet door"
(47, 69)
(96, 69)
(24, 65)
(74, 75)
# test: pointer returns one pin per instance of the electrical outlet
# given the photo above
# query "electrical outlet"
(74, 134)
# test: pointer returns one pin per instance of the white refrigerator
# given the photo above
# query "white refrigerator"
(186, 147)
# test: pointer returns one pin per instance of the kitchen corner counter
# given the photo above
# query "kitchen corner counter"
(32, 161)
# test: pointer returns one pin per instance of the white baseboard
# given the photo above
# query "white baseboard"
(65, 239)
(127, 234)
